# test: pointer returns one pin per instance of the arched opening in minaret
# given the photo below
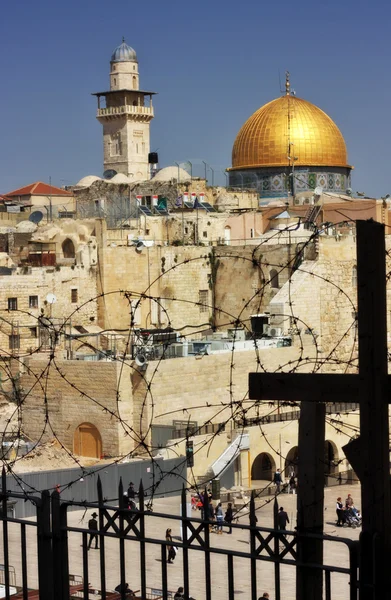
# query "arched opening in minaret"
(68, 248)
(134, 82)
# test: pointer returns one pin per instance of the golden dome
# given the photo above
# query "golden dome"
(264, 139)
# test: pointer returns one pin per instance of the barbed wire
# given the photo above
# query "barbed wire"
(236, 412)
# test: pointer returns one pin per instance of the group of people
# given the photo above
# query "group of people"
(347, 512)
(215, 515)
(292, 482)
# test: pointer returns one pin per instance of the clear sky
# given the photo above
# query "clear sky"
(213, 63)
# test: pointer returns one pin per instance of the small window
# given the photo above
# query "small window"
(354, 276)
(251, 233)
(205, 234)
(12, 304)
(74, 296)
(14, 342)
(33, 301)
(33, 332)
(203, 296)
(115, 81)
(186, 230)
(274, 278)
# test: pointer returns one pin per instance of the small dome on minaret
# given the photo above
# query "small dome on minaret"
(123, 53)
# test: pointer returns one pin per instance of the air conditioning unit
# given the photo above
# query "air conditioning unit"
(275, 331)
(237, 334)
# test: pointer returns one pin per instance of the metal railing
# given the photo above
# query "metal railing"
(132, 527)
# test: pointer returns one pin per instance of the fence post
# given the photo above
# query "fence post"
(45, 556)
(60, 548)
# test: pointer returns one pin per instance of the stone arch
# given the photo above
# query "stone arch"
(263, 467)
(274, 279)
(87, 441)
(291, 461)
(68, 248)
(330, 458)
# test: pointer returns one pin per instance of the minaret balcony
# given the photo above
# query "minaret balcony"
(114, 111)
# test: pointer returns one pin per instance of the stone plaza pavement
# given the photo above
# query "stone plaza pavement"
(336, 554)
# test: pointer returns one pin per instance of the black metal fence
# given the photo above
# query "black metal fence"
(46, 576)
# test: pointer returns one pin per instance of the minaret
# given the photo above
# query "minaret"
(125, 117)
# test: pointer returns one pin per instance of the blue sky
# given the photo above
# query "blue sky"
(212, 63)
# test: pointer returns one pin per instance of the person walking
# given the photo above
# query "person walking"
(93, 526)
(282, 519)
(229, 516)
(211, 516)
(292, 484)
(264, 595)
(277, 480)
(171, 554)
(219, 518)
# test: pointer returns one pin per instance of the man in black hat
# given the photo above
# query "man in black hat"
(131, 495)
(93, 525)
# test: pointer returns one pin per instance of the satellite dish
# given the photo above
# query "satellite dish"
(109, 174)
(139, 246)
(141, 361)
(318, 191)
(36, 217)
(51, 298)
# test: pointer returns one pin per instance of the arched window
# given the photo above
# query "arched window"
(354, 276)
(274, 279)
(134, 82)
(68, 248)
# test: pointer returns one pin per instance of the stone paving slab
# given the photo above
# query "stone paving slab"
(335, 553)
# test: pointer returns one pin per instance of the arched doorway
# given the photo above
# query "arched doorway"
(87, 441)
(291, 461)
(68, 248)
(330, 458)
(263, 467)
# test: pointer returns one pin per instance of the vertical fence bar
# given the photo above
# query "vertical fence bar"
(101, 540)
(185, 546)
(207, 521)
(164, 570)
(85, 566)
(253, 562)
(60, 548)
(327, 576)
(45, 556)
(24, 561)
(276, 552)
(121, 539)
(5, 533)
(143, 566)
(231, 588)
(353, 555)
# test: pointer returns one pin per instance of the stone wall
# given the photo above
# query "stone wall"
(73, 392)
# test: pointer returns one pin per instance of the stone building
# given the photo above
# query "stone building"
(50, 280)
